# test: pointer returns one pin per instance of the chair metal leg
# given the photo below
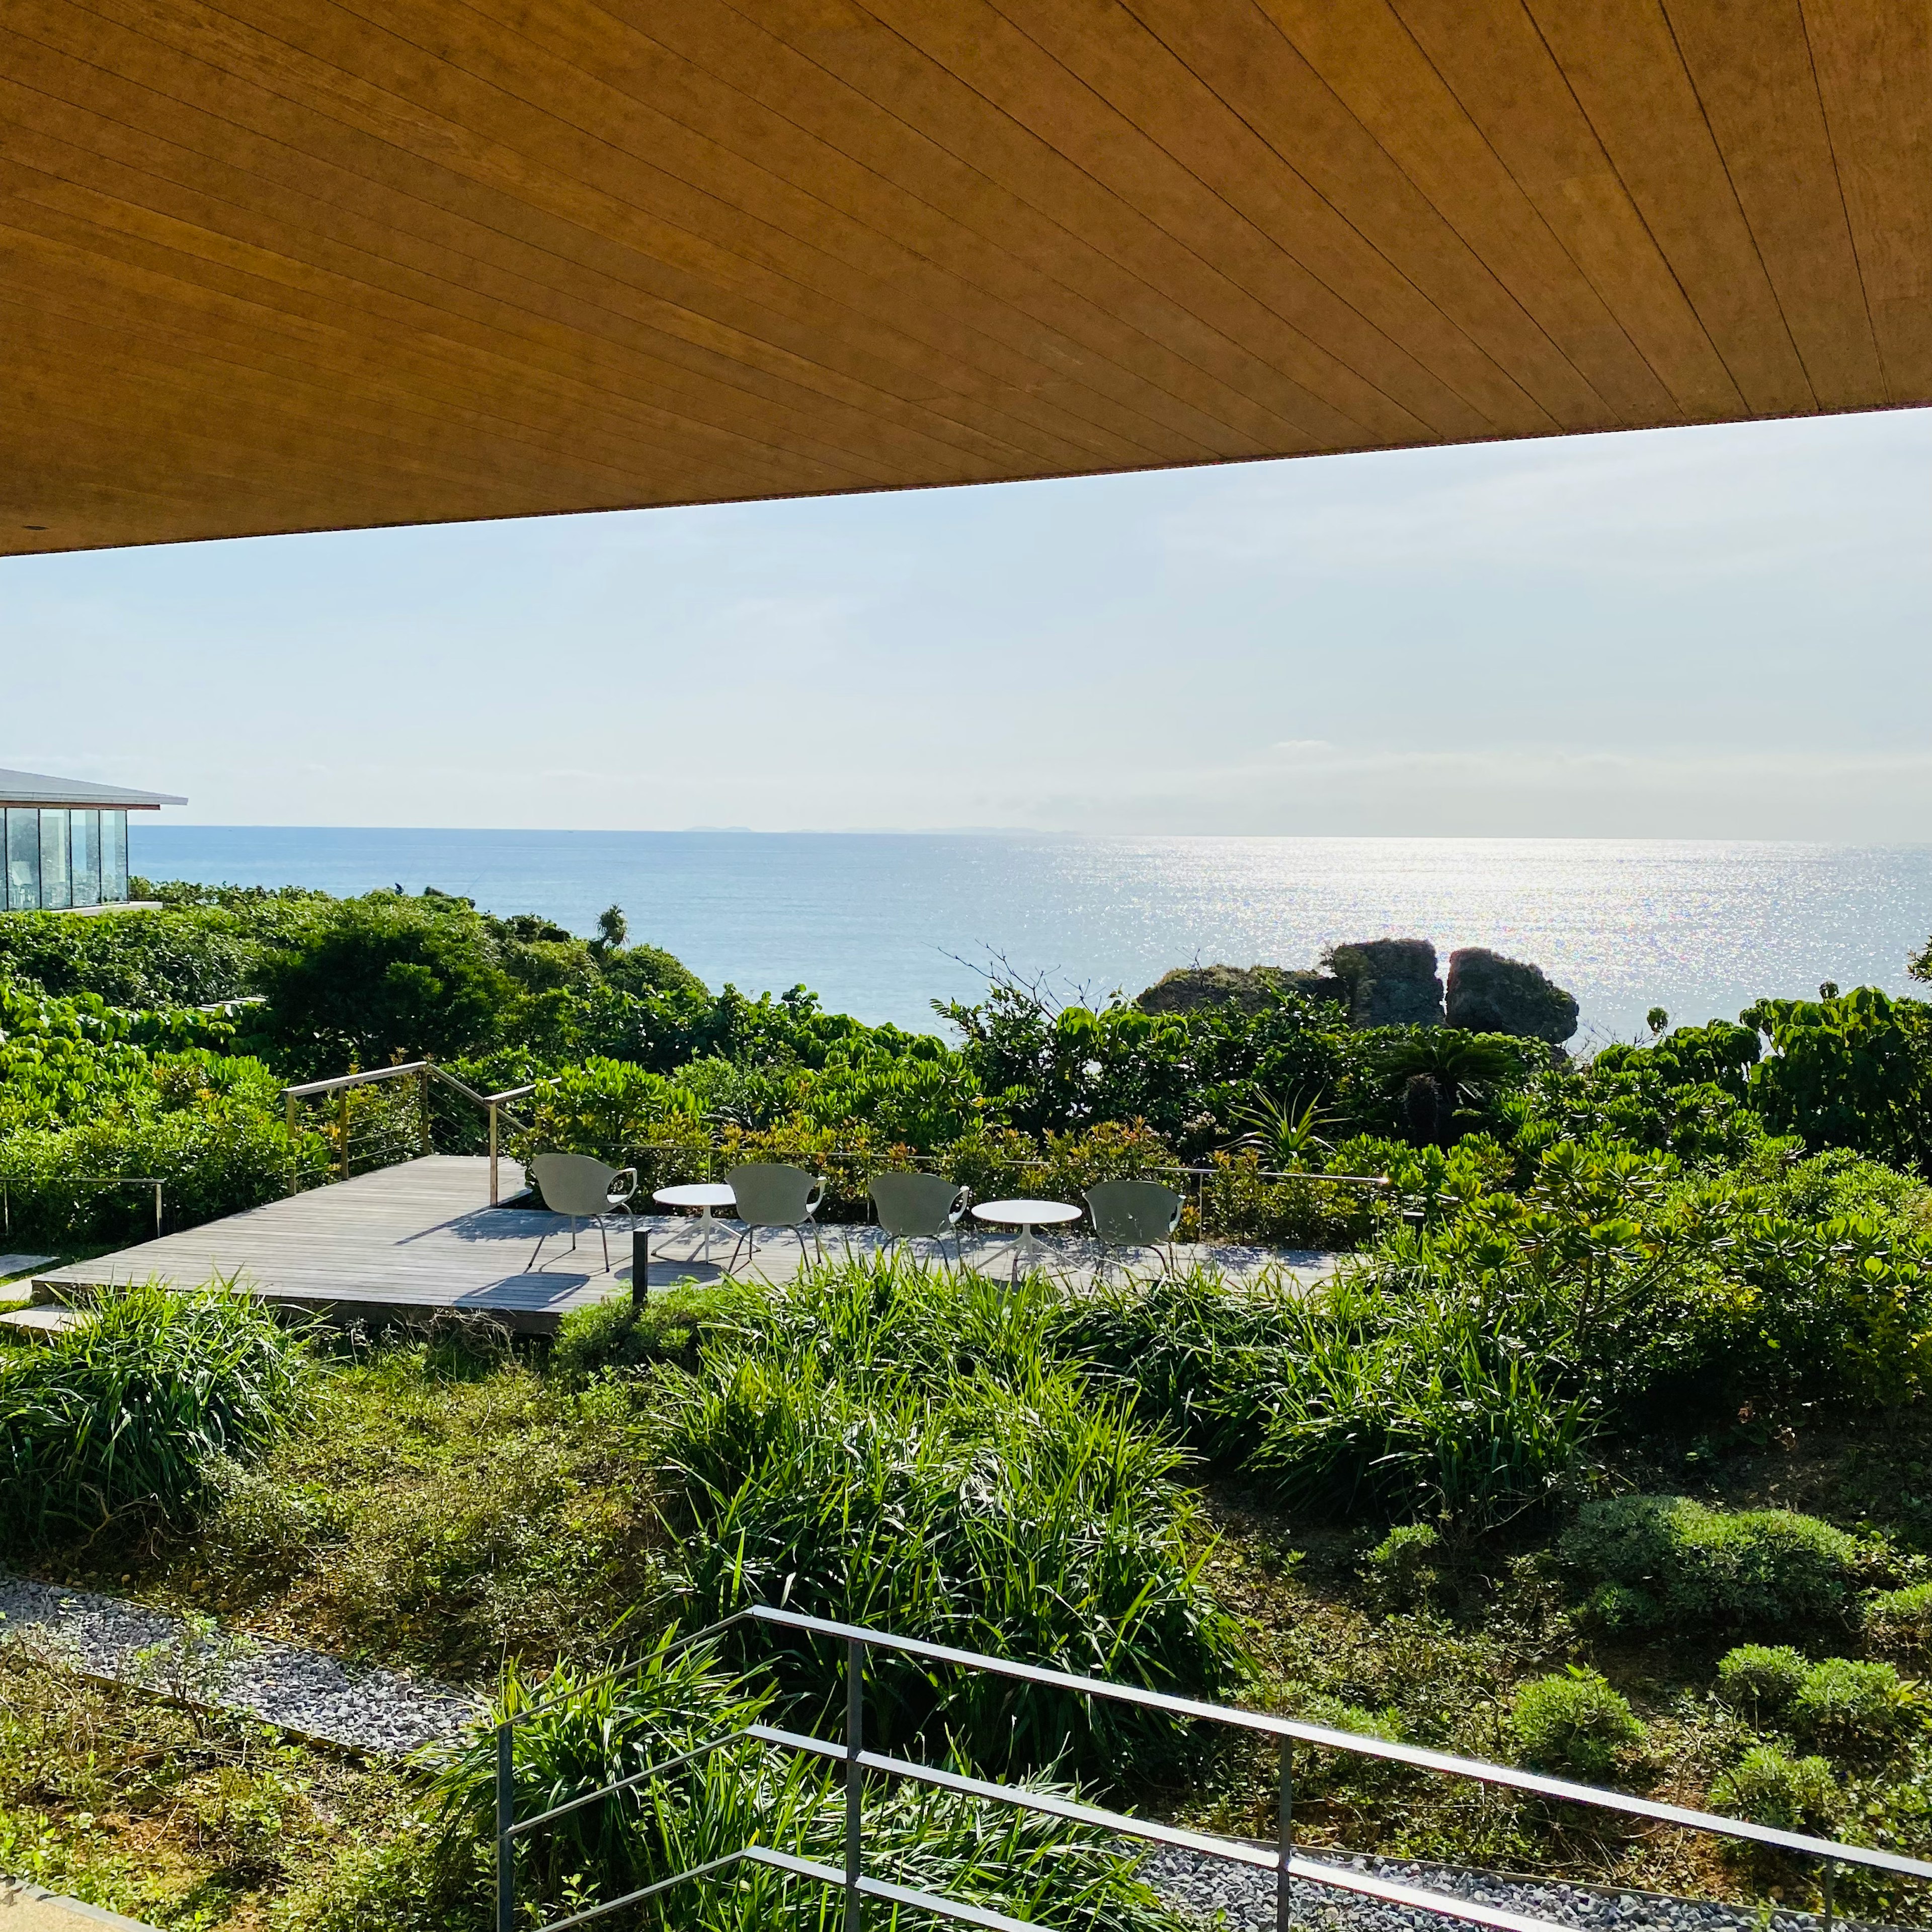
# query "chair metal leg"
(536, 1251)
(602, 1230)
(746, 1236)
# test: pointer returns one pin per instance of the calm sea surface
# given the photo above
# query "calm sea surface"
(879, 925)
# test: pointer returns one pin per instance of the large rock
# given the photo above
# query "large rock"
(1489, 994)
(1187, 989)
(1391, 982)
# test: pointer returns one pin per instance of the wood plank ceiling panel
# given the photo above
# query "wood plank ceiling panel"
(278, 265)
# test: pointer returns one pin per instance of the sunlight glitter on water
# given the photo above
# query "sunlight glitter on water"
(879, 924)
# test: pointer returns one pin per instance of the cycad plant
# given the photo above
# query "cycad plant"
(1287, 1134)
(1438, 1070)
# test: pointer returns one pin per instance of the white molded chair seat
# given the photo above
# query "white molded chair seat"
(920, 1208)
(771, 1195)
(584, 1189)
(1135, 1214)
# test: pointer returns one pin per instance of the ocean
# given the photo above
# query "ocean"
(879, 925)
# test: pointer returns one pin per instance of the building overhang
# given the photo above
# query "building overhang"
(35, 790)
(270, 265)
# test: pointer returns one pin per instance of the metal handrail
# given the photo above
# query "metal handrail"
(423, 1071)
(1283, 1859)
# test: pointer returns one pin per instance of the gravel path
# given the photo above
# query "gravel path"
(1201, 1886)
(302, 1691)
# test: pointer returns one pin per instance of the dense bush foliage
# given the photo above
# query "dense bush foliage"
(90, 1096)
(1574, 1721)
(120, 1422)
(1653, 1560)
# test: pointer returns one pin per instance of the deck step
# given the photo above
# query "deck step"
(45, 1320)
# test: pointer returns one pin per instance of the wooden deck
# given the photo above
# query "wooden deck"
(422, 1237)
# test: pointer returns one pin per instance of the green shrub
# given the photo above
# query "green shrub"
(1239, 1204)
(1668, 1561)
(1852, 1703)
(618, 1335)
(1900, 1619)
(1182, 1344)
(1400, 1572)
(1574, 1722)
(1769, 1787)
(1762, 1680)
(1040, 1871)
(124, 1419)
(932, 1475)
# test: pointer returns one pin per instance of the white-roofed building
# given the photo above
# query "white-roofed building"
(65, 840)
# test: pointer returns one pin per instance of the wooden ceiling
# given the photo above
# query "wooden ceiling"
(284, 265)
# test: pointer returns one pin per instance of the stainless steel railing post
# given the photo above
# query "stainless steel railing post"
(1284, 1897)
(492, 1154)
(855, 1778)
(506, 1820)
(344, 1119)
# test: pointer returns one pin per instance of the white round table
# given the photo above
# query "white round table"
(1026, 1216)
(703, 1196)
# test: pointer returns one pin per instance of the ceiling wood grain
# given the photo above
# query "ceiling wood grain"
(281, 265)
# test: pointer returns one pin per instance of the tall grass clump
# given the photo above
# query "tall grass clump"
(121, 1421)
(1370, 1394)
(594, 1731)
(897, 1448)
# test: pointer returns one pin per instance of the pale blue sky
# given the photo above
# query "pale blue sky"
(1718, 632)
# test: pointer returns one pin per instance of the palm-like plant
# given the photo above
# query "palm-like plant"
(1439, 1069)
(1284, 1133)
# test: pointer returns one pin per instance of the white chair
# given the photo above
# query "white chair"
(769, 1195)
(1135, 1214)
(574, 1185)
(920, 1208)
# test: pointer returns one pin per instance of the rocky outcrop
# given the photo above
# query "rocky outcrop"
(1391, 982)
(1489, 993)
(1189, 989)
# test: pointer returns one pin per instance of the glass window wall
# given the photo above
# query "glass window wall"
(23, 860)
(51, 860)
(84, 843)
(56, 880)
(113, 857)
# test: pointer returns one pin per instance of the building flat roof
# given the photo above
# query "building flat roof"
(33, 788)
(289, 265)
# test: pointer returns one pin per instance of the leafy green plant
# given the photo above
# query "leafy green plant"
(1406, 1406)
(1671, 1560)
(1575, 1721)
(936, 1475)
(1770, 1786)
(590, 1733)
(1900, 1619)
(1761, 1682)
(1401, 1571)
(1853, 1702)
(122, 1420)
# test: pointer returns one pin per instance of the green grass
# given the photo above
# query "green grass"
(111, 1430)
(129, 1803)
(1006, 1470)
